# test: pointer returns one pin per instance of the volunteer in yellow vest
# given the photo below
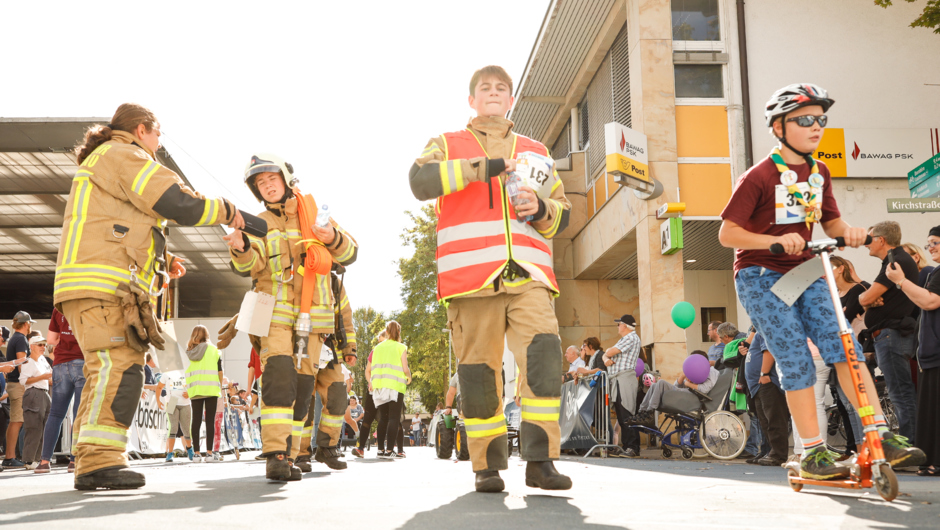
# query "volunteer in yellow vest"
(204, 387)
(388, 379)
(329, 380)
(495, 276)
(277, 265)
(112, 264)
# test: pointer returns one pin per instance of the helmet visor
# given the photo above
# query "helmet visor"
(262, 168)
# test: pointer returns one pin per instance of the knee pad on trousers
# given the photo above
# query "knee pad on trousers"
(279, 382)
(479, 396)
(533, 442)
(305, 384)
(336, 398)
(323, 439)
(543, 364)
(497, 453)
(127, 397)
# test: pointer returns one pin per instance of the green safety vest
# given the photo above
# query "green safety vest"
(387, 370)
(202, 376)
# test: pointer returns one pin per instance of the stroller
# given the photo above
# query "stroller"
(700, 421)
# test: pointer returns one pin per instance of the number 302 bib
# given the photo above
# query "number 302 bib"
(789, 210)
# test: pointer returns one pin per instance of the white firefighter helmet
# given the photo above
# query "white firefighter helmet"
(268, 163)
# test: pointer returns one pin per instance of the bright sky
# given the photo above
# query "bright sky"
(347, 92)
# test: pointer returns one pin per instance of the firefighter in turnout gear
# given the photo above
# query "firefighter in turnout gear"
(291, 264)
(111, 268)
(494, 273)
(331, 386)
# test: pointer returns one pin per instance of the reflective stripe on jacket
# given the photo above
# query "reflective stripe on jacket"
(387, 369)
(202, 376)
(477, 229)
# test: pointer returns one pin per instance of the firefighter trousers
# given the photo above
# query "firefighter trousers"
(285, 390)
(527, 321)
(114, 379)
(331, 386)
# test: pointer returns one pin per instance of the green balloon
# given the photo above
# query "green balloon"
(683, 314)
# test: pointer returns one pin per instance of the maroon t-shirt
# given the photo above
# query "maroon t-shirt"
(753, 206)
(67, 349)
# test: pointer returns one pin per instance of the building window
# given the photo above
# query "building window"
(711, 314)
(695, 20)
(699, 81)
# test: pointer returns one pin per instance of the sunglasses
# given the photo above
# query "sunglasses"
(807, 121)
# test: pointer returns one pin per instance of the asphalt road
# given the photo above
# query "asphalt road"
(422, 492)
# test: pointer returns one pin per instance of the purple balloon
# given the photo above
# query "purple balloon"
(696, 368)
(640, 367)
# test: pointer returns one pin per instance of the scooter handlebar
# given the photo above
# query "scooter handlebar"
(819, 244)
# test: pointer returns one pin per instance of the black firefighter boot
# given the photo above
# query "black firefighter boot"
(278, 468)
(120, 478)
(330, 457)
(544, 475)
(303, 462)
(489, 482)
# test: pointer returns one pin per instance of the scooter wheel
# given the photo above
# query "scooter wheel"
(887, 484)
(796, 486)
(667, 452)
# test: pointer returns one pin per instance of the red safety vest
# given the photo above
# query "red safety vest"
(477, 234)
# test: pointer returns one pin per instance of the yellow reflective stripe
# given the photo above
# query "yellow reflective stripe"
(148, 266)
(247, 266)
(104, 375)
(483, 421)
(350, 249)
(866, 411)
(429, 149)
(277, 416)
(210, 212)
(482, 428)
(333, 421)
(458, 174)
(297, 428)
(541, 409)
(79, 215)
(541, 402)
(102, 435)
(143, 177)
(445, 177)
(550, 232)
(308, 432)
(293, 234)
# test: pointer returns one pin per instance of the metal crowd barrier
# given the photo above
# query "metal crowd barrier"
(602, 431)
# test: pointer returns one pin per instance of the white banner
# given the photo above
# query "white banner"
(148, 432)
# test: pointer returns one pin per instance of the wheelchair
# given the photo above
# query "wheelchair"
(700, 421)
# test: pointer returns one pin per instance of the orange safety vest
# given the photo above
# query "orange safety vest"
(477, 233)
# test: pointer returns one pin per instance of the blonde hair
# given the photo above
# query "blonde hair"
(394, 330)
(490, 71)
(200, 335)
(917, 254)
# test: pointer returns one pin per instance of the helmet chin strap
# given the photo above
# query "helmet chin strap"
(783, 139)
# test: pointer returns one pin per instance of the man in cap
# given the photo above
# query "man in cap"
(18, 348)
(621, 368)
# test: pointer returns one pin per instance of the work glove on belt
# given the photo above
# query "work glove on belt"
(133, 327)
(227, 333)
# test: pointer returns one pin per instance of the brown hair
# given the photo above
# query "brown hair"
(393, 329)
(126, 118)
(846, 268)
(915, 253)
(698, 352)
(200, 335)
(593, 343)
(490, 71)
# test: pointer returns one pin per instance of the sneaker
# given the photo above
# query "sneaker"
(399, 455)
(213, 457)
(755, 459)
(32, 465)
(190, 454)
(629, 452)
(356, 452)
(820, 464)
(260, 457)
(12, 462)
(43, 468)
(899, 452)
(169, 456)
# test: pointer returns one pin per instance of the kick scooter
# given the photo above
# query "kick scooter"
(870, 467)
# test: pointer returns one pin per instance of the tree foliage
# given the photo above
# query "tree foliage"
(929, 18)
(423, 317)
(368, 323)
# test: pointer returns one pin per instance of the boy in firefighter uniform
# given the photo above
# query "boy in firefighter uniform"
(290, 353)
(331, 386)
(495, 276)
(112, 265)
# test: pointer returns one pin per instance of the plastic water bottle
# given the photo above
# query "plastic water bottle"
(513, 183)
(323, 216)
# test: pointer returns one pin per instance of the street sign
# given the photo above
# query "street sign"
(670, 209)
(928, 188)
(913, 205)
(930, 168)
(670, 235)
(627, 157)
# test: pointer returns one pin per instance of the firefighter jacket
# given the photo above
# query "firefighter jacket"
(478, 235)
(275, 266)
(115, 221)
(343, 308)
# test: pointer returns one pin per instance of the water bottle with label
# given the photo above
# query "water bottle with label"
(323, 216)
(513, 184)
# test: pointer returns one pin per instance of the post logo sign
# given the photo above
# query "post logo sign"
(876, 152)
(627, 153)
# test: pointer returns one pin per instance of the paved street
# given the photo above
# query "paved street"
(423, 492)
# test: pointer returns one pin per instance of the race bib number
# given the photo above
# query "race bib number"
(789, 210)
(537, 172)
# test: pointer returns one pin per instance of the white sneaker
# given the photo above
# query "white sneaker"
(32, 465)
(214, 457)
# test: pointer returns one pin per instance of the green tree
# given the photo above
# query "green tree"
(368, 323)
(423, 317)
(929, 18)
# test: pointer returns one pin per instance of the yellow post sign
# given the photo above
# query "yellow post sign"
(626, 152)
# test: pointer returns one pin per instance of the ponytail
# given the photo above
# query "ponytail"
(393, 329)
(126, 118)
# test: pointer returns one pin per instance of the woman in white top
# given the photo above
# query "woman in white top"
(36, 401)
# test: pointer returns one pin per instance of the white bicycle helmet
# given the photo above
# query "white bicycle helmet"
(792, 97)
